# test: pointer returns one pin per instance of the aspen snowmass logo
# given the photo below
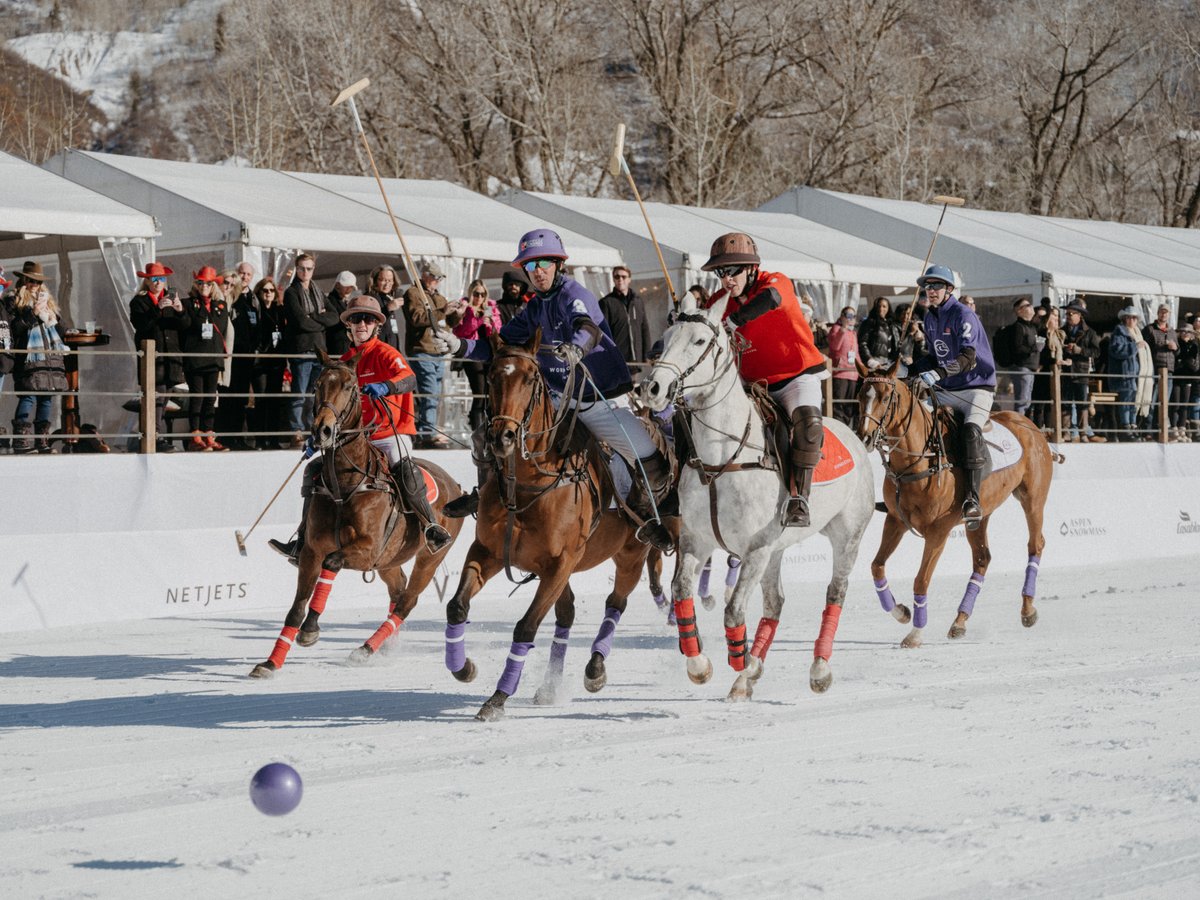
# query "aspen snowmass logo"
(1081, 526)
(1185, 525)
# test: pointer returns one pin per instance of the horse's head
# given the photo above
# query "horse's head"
(515, 390)
(880, 395)
(694, 351)
(336, 404)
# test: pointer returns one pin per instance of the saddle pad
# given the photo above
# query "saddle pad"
(431, 486)
(836, 461)
(1003, 447)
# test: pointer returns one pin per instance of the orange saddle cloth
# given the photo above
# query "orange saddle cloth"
(431, 485)
(836, 461)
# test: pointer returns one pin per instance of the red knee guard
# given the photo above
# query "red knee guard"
(283, 644)
(763, 637)
(735, 639)
(389, 627)
(321, 592)
(689, 635)
(829, 623)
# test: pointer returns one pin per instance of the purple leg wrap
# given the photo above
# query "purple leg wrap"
(973, 587)
(1031, 572)
(456, 646)
(660, 600)
(886, 600)
(603, 642)
(702, 588)
(731, 574)
(558, 650)
(512, 669)
(920, 613)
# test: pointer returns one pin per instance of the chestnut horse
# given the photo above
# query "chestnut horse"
(924, 492)
(546, 511)
(354, 521)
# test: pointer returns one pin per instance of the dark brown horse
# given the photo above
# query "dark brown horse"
(545, 510)
(924, 492)
(355, 522)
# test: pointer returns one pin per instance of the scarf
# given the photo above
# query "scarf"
(41, 339)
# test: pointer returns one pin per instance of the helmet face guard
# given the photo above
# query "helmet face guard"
(541, 243)
(732, 249)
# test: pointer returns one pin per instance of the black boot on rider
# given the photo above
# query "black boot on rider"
(653, 531)
(974, 454)
(468, 504)
(291, 549)
(808, 435)
(412, 487)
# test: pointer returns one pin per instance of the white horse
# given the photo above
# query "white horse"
(732, 503)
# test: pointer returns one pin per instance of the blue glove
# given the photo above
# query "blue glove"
(569, 352)
(309, 449)
(375, 390)
(930, 378)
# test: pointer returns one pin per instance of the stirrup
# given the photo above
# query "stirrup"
(794, 513)
(436, 537)
(972, 513)
(461, 507)
(291, 549)
(654, 533)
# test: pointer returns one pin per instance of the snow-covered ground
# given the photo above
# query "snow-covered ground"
(1061, 761)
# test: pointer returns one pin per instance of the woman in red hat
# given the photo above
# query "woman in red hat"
(208, 317)
(157, 314)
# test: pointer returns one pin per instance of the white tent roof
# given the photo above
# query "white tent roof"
(36, 202)
(474, 226)
(801, 250)
(1000, 252)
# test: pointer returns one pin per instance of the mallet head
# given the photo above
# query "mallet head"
(617, 161)
(241, 542)
(946, 200)
(351, 91)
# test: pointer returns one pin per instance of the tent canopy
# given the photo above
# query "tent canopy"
(999, 252)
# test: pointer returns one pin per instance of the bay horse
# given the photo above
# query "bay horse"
(546, 511)
(924, 493)
(729, 498)
(355, 521)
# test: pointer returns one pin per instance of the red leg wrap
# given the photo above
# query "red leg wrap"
(321, 592)
(735, 639)
(829, 623)
(763, 637)
(282, 645)
(389, 627)
(689, 634)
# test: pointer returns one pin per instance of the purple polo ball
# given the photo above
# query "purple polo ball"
(276, 789)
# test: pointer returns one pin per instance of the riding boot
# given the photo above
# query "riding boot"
(291, 549)
(41, 443)
(468, 504)
(21, 443)
(974, 455)
(649, 504)
(808, 435)
(412, 488)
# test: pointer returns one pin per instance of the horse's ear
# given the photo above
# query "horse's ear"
(862, 369)
(534, 342)
(893, 368)
(688, 302)
(496, 341)
(326, 359)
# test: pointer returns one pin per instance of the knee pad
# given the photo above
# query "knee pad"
(808, 435)
(309, 478)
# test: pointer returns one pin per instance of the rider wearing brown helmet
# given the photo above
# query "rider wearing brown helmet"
(761, 308)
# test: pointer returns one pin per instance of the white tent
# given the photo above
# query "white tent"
(998, 253)
(831, 267)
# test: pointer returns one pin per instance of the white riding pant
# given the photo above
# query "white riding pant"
(390, 449)
(615, 423)
(803, 390)
(973, 404)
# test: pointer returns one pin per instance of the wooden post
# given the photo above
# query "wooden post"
(828, 388)
(147, 420)
(1056, 401)
(1163, 398)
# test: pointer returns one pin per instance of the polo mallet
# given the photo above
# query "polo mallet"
(241, 538)
(945, 201)
(348, 96)
(617, 165)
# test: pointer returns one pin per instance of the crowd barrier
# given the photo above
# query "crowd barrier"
(130, 536)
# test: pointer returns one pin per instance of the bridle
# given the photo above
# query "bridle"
(714, 347)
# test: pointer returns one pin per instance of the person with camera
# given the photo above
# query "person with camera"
(480, 320)
(42, 368)
(157, 314)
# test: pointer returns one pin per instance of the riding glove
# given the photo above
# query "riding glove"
(931, 377)
(309, 447)
(445, 343)
(375, 390)
(569, 352)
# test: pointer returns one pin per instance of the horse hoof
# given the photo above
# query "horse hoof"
(754, 668)
(308, 638)
(702, 671)
(594, 685)
(548, 695)
(360, 655)
(709, 602)
(912, 640)
(820, 676)
(467, 673)
(741, 690)
(490, 711)
(1029, 620)
(594, 674)
(263, 670)
(902, 614)
(956, 631)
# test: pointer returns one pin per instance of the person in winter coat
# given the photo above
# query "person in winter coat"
(7, 361)
(384, 286)
(1016, 349)
(1164, 344)
(426, 313)
(625, 312)
(879, 336)
(480, 320)
(513, 291)
(245, 310)
(157, 314)
(270, 408)
(306, 318)
(1050, 358)
(961, 369)
(35, 329)
(1124, 370)
(1081, 348)
(843, 351)
(208, 317)
(570, 320)
(1187, 365)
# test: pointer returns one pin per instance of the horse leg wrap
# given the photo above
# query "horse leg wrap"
(689, 634)
(702, 587)
(886, 600)
(558, 649)
(1031, 574)
(603, 642)
(735, 640)
(320, 593)
(456, 646)
(731, 574)
(920, 613)
(660, 600)
(511, 676)
(763, 637)
(283, 644)
(973, 587)
(823, 649)
(389, 627)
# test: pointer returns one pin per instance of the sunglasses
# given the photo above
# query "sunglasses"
(305, 268)
(729, 271)
(479, 294)
(158, 280)
(268, 290)
(936, 286)
(360, 318)
(535, 264)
